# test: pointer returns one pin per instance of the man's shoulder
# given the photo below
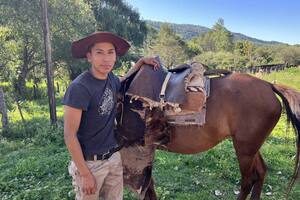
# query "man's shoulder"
(82, 78)
(114, 77)
(81, 82)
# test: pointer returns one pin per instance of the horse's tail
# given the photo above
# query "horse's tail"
(291, 101)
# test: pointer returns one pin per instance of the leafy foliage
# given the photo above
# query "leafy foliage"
(118, 17)
(23, 53)
(190, 31)
(171, 49)
(210, 45)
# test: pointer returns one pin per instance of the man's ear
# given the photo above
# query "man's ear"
(88, 56)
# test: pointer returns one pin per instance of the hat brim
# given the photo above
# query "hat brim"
(81, 47)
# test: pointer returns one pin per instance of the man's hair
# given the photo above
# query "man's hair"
(89, 48)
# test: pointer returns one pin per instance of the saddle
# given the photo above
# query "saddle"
(180, 92)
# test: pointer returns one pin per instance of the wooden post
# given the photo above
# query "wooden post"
(3, 110)
(49, 71)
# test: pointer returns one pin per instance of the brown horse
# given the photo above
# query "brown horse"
(240, 106)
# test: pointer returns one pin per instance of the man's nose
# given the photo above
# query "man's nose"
(107, 57)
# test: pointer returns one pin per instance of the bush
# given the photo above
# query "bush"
(49, 135)
(38, 131)
(220, 60)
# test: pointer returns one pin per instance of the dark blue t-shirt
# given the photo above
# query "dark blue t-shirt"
(97, 100)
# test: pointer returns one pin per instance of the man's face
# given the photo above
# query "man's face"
(102, 57)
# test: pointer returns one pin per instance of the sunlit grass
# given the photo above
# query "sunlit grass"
(290, 77)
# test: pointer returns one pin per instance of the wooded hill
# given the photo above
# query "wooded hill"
(189, 31)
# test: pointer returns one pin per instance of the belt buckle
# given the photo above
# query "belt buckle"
(104, 155)
(116, 148)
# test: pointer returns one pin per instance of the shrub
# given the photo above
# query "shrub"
(38, 131)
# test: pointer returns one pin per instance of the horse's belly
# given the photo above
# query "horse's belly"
(190, 140)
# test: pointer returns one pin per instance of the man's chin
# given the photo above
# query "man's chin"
(106, 70)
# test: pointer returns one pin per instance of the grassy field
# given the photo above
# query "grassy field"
(33, 161)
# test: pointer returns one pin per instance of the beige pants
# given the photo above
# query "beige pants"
(109, 177)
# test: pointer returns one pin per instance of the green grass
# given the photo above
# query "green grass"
(290, 77)
(200, 176)
(33, 109)
(36, 167)
(34, 172)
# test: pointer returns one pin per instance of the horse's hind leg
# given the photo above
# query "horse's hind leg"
(253, 170)
(246, 168)
(261, 170)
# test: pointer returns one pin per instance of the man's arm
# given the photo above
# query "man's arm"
(72, 117)
(145, 60)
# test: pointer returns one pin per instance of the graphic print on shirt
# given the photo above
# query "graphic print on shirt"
(107, 103)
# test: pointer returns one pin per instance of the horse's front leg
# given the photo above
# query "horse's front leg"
(150, 193)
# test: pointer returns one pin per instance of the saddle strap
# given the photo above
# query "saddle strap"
(164, 87)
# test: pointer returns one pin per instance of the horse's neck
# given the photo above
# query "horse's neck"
(147, 82)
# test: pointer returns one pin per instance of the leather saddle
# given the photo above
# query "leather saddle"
(148, 84)
(180, 91)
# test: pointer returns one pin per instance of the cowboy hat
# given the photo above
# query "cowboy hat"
(81, 47)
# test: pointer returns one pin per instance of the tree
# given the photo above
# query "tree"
(291, 55)
(223, 38)
(70, 21)
(118, 17)
(150, 41)
(206, 42)
(8, 49)
(194, 46)
(21, 18)
(216, 39)
(245, 49)
(170, 47)
(263, 55)
(3, 109)
(21, 21)
(221, 59)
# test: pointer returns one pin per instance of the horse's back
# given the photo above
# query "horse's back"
(244, 93)
(248, 105)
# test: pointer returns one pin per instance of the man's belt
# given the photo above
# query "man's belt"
(102, 156)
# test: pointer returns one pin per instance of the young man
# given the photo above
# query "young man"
(90, 106)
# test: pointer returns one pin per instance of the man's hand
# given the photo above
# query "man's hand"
(144, 60)
(88, 183)
(150, 61)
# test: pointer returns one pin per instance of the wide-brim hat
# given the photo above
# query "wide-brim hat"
(81, 47)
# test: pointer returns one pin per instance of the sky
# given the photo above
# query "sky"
(270, 20)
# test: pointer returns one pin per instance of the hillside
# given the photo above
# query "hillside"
(188, 31)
